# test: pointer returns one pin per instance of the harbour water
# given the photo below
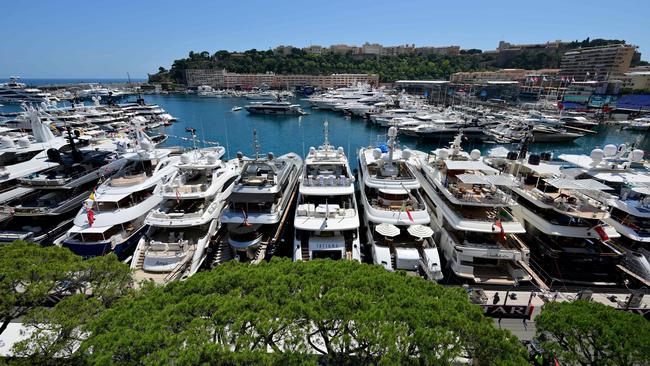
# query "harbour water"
(214, 121)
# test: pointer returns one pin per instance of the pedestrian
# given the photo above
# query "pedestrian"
(496, 299)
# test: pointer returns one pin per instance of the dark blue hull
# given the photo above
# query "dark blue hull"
(122, 250)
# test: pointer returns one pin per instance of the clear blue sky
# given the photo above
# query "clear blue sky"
(92, 39)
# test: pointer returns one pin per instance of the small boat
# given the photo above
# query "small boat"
(235, 109)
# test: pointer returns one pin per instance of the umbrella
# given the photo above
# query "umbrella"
(420, 231)
(389, 230)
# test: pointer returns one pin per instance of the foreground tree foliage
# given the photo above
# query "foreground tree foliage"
(332, 311)
(590, 333)
(32, 277)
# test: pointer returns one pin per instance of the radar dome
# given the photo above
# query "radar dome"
(597, 155)
(475, 154)
(185, 158)
(340, 150)
(406, 154)
(376, 153)
(212, 158)
(6, 142)
(610, 150)
(146, 145)
(636, 155)
(443, 154)
(312, 150)
(23, 142)
(392, 132)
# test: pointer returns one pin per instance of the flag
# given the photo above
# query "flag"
(502, 232)
(573, 80)
(91, 217)
(601, 232)
(545, 79)
(408, 213)
(246, 223)
(92, 195)
(178, 196)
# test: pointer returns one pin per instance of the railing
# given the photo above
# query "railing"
(327, 181)
(194, 188)
(310, 210)
(480, 195)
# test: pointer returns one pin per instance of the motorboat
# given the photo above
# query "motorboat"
(275, 108)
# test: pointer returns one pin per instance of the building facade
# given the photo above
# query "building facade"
(635, 80)
(228, 80)
(597, 63)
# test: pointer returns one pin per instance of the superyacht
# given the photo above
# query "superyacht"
(394, 212)
(471, 217)
(259, 205)
(181, 228)
(327, 220)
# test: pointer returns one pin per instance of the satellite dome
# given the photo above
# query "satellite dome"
(610, 150)
(475, 154)
(376, 153)
(443, 154)
(597, 156)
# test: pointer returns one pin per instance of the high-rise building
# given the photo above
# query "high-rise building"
(223, 79)
(597, 63)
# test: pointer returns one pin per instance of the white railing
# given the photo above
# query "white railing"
(327, 181)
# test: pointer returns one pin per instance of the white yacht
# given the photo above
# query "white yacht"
(181, 228)
(275, 108)
(327, 220)
(471, 217)
(394, 212)
(624, 172)
(259, 204)
(565, 232)
(14, 91)
(112, 219)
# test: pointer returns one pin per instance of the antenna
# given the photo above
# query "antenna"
(256, 145)
(326, 143)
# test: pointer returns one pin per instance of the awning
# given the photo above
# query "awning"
(580, 184)
(562, 183)
(593, 185)
(393, 191)
(501, 180)
(89, 230)
(472, 179)
(544, 169)
(469, 165)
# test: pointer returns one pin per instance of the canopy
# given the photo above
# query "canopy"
(642, 190)
(393, 190)
(544, 169)
(420, 231)
(472, 179)
(469, 165)
(593, 185)
(501, 180)
(389, 230)
(579, 184)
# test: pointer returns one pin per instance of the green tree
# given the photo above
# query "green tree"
(340, 311)
(590, 333)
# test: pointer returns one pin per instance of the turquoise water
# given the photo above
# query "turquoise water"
(214, 121)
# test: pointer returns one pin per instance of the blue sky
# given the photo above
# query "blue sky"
(66, 38)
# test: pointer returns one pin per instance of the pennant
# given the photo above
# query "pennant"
(502, 232)
(408, 213)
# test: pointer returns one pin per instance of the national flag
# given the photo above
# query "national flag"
(246, 223)
(91, 217)
(573, 80)
(601, 232)
(502, 232)
(408, 213)
(178, 196)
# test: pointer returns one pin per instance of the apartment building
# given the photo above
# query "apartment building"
(224, 79)
(597, 63)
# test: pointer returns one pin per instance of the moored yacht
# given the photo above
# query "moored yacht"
(326, 220)
(259, 205)
(181, 228)
(281, 108)
(624, 172)
(565, 232)
(14, 91)
(394, 212)
(471, 217)
(112, 219)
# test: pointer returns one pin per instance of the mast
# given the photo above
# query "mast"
(326, 143)
(256, 145)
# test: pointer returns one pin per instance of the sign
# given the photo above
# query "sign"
(509, 311)
(328, 245)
